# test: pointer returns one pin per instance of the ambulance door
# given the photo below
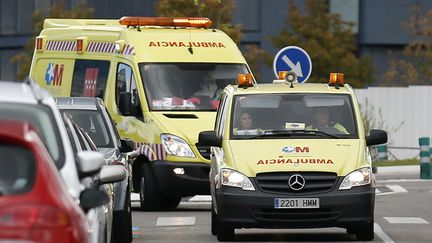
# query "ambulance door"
(131, 121)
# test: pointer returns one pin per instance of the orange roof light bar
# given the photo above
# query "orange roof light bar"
(245, 80)
(166, 21)
(336, 79)
(282, 75)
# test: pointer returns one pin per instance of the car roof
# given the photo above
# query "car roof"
(30, 93)
(297, 88)
(79, 103)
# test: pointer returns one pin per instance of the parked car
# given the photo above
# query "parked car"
(27, 101)
(101, 218)
(91, 115)
(35, 205)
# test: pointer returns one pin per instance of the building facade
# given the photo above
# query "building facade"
(378, 24)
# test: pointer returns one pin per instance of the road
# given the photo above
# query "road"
(403, 213)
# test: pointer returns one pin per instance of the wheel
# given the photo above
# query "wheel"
(171, 202)
(366, 232)
(213, 221)
(150, 195)
(224, 233)
(122, 224)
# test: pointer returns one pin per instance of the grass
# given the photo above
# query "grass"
(395, 162)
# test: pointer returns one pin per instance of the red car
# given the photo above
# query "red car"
(34, 203)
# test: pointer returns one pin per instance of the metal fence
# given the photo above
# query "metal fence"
(405, 112)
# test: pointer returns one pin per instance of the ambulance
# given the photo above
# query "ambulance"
(277, 167)
(160, 78)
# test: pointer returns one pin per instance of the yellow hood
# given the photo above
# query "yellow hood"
(186, 125)
(270, 155)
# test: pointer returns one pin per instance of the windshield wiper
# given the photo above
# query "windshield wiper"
(288, 133)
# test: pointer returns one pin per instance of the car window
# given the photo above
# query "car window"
(187, 86)
(42, 119)
(94, 124)
(89, 78)
(311, 115)
(17, 169)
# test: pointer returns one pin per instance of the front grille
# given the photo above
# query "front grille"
(204, 151)
(296, 215)
(315, 182)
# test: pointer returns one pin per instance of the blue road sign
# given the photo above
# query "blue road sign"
(293, 58)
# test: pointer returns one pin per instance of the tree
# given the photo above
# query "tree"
(219, 11)
(328, 40)
(413, 65)
(23, 58)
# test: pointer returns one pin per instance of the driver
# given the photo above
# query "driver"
(321, 121)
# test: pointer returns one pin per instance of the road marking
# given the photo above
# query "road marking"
(381, 234)
(405, 220)
(403, 180)
(200, 198)
(377, 191)
(175, 221)
(135, 197)
(396, 188)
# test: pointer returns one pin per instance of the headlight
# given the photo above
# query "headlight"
(358, 177)
(235, 179)
(176, 146)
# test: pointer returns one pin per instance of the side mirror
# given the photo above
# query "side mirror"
(125, 104)
(90, 163)
(127, 145)
(376, 136)
(91, 198)
(112, 173)
(209, 138)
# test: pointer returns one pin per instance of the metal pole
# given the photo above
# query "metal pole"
(424, 158)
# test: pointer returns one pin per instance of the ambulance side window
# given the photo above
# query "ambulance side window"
(125, 82)
(89, 78)
(221, 116)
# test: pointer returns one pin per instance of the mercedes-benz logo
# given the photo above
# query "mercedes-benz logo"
(296, 182)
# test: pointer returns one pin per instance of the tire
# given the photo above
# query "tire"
(171, 202)
(150, 195)
(224, 233)
(213, 221)
(122, 224)
(366, 232)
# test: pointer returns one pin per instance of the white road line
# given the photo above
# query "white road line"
(175, 221)
(381, 234)
(377, 191)
(406, 220)
(135, 197)
(396, 188)
(200, 198)
(403, 180)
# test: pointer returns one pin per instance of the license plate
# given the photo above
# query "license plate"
(296, 202)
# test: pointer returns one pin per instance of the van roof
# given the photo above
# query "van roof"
(297, 88)
(146, 43)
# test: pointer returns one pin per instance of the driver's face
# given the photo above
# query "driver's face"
(245, 121)
(322, 118)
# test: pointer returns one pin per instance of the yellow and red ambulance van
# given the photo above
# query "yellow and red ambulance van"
(277, 167)
(160, 79)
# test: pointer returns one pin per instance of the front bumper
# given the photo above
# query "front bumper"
(250, 209)
(194, 181)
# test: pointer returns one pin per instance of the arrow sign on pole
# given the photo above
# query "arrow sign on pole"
(293, 58)
(295, 68)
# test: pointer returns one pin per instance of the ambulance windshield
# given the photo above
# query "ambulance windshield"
(187, 86)
(293, 115)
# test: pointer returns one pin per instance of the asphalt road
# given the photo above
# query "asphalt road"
(403, 213)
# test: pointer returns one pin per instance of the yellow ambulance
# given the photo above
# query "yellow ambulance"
(291, 155)
(160, 79)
